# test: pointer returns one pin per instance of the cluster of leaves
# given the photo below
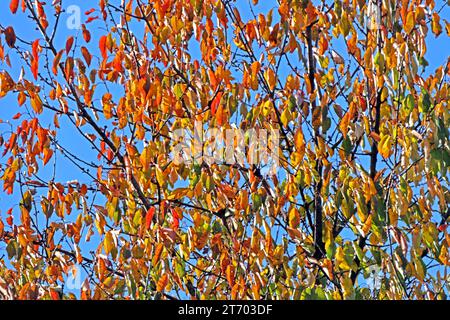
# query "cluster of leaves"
(363, 179)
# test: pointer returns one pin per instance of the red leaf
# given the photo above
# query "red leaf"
(69, 44)
(102, 46)
(54, 294)
(149, 217)
(14, 5)
(35, 62)
(176, 219)
(17, 116)
(90, 19)
(89, 11)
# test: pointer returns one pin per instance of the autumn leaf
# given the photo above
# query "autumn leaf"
(86, 34)
(35, 61)
(216, 103)
(86, 55)
(270, 78)
(47, 155)
(410, 22)
(435, 25)
(69, 44)
(10, 36)
(102, 46)
(157, 254)
(14, 5)
(384, 146)
(162, 283)
(149, 217)
(109, 243)
(56, 62)
(294, 218)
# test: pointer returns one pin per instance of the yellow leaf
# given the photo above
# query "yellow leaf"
(384, 147)
(443, 256)
(294, 218)
(267, 107)
(410, 21)
(343, 125)
(285, 117)
(109, 243)
(300, 142)
(369, 190)
(347, 286)
(36, 103)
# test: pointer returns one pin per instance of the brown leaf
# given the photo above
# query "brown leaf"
(10, 36)
(86, 55)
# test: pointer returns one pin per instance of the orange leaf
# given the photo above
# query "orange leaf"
(56, 62)
(21, 98)
(162, 283)
(47, 155)
(14, 5)
(230, 275)
(157, 255)
(216, 102)
(220, 115)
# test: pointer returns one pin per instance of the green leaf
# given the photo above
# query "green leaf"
(11, 249)
(425, 102)
(408, 102)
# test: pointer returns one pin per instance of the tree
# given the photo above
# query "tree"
(355, 187)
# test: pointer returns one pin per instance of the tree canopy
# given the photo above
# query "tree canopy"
(351, 202)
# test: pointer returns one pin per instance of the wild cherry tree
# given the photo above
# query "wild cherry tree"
(109, 174)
